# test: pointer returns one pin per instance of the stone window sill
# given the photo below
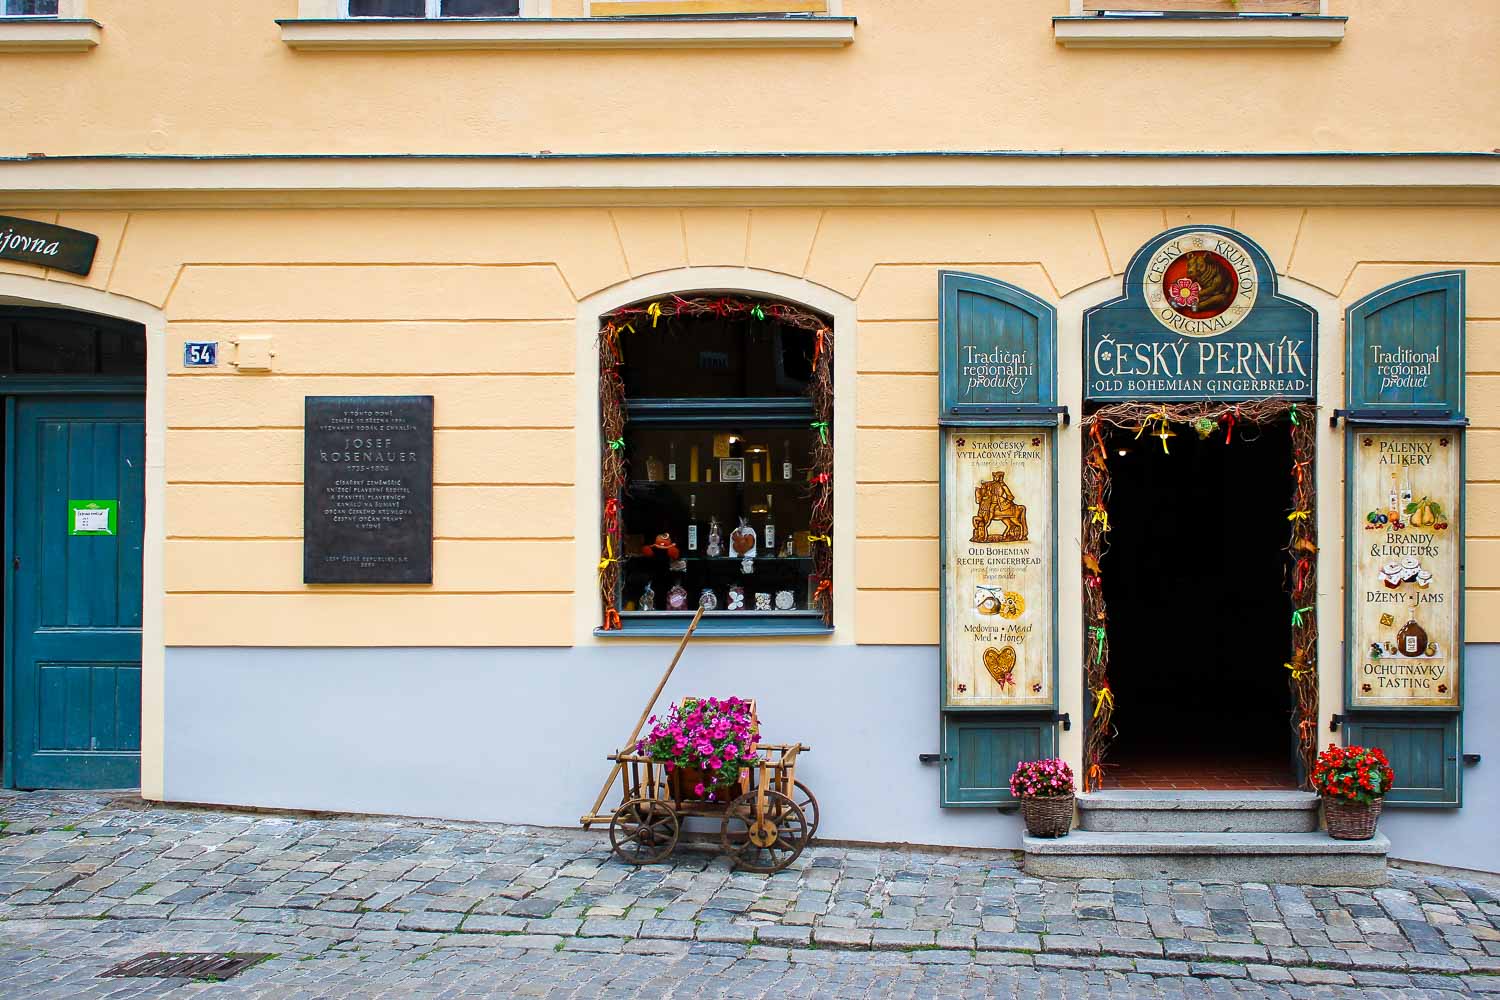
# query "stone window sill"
(1210, 31)
(318, 34)
(48, 34)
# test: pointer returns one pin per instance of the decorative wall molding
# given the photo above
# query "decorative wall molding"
(48, 34)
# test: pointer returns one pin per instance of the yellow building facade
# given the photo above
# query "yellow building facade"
(447, 208)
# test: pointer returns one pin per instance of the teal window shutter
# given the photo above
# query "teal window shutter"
(981, 751)
(1424, 751)
(1405, 373)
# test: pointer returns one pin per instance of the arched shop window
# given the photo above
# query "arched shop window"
(716, 467)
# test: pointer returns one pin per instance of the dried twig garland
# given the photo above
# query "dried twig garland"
(1157, 420)
(629, 320)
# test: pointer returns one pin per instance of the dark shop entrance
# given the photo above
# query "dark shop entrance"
(1200, 620)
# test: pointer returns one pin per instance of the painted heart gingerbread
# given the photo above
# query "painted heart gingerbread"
(1001, 663)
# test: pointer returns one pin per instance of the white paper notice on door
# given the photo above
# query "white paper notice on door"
(90, 520)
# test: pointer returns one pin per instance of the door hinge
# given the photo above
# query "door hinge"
(933, 758)
(1336, 721)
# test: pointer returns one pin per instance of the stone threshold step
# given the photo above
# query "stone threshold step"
(1161, 811)
(1096, 842)
(1166, 799)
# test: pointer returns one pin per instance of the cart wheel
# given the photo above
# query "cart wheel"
(643, 831)
(765, 843)
(808, 803)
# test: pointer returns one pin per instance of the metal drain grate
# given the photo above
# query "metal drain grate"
(187, 965)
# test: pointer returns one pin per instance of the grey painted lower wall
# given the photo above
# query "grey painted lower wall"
(1467, 837)
(520, 735)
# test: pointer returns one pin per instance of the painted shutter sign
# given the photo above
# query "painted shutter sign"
(998, 349)
(70, 250)
(1406, 349)
(1404, 477)
(998, 489)
(1200, 318)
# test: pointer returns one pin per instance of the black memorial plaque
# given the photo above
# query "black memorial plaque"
(367, 500)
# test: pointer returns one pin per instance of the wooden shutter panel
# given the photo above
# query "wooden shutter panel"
(1424, 752)
(981, 751)
(1421, 314)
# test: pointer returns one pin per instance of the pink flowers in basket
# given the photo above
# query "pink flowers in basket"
(712, 735)
(1047, 778)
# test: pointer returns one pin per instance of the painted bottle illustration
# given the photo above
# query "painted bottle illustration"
(1393, 511)
(1405, 490)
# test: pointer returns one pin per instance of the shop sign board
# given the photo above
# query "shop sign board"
(367, 501)
(70, 250)
(1406, 349)
(1405, 583)
(997, 351)
(999, 562)
(1200, 318)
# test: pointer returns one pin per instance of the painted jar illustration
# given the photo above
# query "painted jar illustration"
(1412, 639)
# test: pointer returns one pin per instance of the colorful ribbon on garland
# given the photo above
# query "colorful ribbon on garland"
(617, 444)
(1229, 419)
(758, 313)
(1104, 701)
(654, 311)
(1297, 616)
(1300, 577)
(612, 516)
(824, 587)
(612, 620)
(1297, 515)
(1098, 631)
(821, 426)
(1101, 516)
(814, 539)
(1298, 672)
(1293, 414)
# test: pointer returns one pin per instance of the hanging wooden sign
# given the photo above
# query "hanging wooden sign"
(1405, 576)
(999, 561)
(1200, 318)
(70, 250)
(997, 359)
(1406, 349)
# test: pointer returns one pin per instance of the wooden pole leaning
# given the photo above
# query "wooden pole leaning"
(593, 816)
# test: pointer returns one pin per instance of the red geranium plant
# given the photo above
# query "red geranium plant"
(1353, 774)
(1049, 778)
(715, 736)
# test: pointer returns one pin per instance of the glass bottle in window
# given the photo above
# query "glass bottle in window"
(692, 532)
(786, 461)
(770, 532)
(672, 462)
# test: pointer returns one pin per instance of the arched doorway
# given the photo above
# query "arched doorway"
(73, 390)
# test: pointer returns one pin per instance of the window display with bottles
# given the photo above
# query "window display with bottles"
(718, 465)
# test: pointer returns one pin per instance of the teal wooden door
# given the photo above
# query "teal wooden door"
(75, 608)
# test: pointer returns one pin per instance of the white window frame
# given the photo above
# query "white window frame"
(67, 10)
(433, 11)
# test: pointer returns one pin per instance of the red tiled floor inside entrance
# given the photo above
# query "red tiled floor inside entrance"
(1199, 772)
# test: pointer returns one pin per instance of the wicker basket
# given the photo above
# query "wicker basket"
(1047, 816)
(1351, 820)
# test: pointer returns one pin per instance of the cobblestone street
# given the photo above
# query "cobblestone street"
(391, 907)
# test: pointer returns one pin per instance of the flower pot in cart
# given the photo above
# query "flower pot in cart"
(1351, 820)
(685, 780)
(1047, 815)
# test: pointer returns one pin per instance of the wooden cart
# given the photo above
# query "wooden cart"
(764, 825)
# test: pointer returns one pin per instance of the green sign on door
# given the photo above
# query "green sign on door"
(93, 517)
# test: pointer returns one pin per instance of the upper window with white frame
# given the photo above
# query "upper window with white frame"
(29, 8)
(432, 8)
